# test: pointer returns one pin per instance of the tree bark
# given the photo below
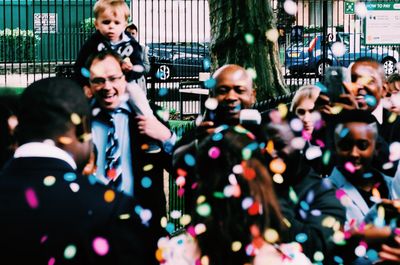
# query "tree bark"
(230, 21)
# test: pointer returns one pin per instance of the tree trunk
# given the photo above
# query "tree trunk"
(231, 21)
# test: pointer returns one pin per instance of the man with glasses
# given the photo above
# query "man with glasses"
(360, 185)
(119, 135)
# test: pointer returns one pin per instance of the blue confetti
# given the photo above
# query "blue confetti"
(343, 133)
(146, 182)
(138, 209)
(85, 72)
(170, 228)
(206, 64)
(304, 206)
(368, 175)
(252, 146)
(217, 137)
(92, 179)
(301, 238)
(310, 197)
(370, 100)
(189, 160)
(210, 83)
(372, 255)
(70, 176)
(162, 92)
(321, 87)
(338, 259)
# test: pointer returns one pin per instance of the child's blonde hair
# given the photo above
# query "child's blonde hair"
(115, 5)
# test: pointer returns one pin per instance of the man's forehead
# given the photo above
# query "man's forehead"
(237, 77)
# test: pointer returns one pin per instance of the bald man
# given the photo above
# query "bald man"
(233, 91)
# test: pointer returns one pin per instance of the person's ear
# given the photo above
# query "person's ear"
(253, 96)
(87, 91)
(96, 23)
(385, 88)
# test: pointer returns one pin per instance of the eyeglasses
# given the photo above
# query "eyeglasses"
(100, 81)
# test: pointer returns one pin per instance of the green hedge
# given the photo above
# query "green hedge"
(17, 45)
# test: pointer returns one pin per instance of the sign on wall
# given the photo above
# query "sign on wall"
(382, 23)
(45, 22)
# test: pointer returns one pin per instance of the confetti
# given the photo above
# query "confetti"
(361, 10)
(247, 202)
(271, 235)
(237, 169)
(249, 38)
(51, 261)
(301, 238)
(70, 252)
(236, 246)
(185, 219)
(370, 100)
(326, 157)
(85, 72)
(290, 7)
(283, 110)
(65, 140)
(277, 178)
(148, 167)
(246, 153)
(206, 64)
(296, 125)
(249, 173)
(252, 73)
(210, 83)
(199, 229)
(350, 167)
(109, 196)
(392, 117)
(214, 152)
(360, 251)
(70, 176)
(277, 166)
(313, 152)
(125, 216)
(49, 181)
(162, 91)
(145, 215)
(338, 49)
(176, 214)
(293, 195)
(75, 119)
(100, 246)
(180, 181)
(74, 187)
(203, 209)
(318, 256)
(272, 35)
(31, 198)
(146, 182)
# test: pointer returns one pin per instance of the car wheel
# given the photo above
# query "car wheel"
(389, 65)
(163, 72)
(320, 67)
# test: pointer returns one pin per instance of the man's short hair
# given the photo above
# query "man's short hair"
(46, 107)
(371, 61)
(101, 56)
(103, 5)
(395, 77)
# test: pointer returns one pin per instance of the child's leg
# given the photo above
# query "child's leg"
(138, 100)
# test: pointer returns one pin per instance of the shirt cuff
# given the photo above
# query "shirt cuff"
(169, 144)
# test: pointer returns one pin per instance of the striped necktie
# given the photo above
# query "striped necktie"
(113, 168)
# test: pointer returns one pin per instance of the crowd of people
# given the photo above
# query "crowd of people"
(82, 173)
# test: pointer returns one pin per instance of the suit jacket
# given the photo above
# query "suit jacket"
(151, 166)
(357, 208)
(65, 218)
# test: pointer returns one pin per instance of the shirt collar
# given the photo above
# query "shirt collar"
(44, 149)
(378, 112)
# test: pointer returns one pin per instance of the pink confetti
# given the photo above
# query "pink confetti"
(100, 246)
(51, 261)
(214, 152)
(320, 143)
(340, 193)
(350, 167)
(31, 198)
(180, 192)
(43, 239)
(306, 135)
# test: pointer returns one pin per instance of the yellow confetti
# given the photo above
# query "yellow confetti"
(109, 195)
(49, 181)
(376, 194)
(272, 35)
(201, 199)
(271, 235)
(205, 260)
(164, 222)
(283, 110)
(328, 222)
(125, 216)
(270, 147)
(148, 167)
(76, 120)
(185, 219)
(392, 117)
(336, 109)
(159, 255)
(236, 246)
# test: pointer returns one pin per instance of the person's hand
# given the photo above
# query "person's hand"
(391, 253)
(127, 66)
(153, 128)
(207, 126)
(346, 102)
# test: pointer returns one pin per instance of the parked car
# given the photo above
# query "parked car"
(306, 56)
(178, 59)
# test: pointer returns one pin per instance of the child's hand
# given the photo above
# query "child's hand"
(127, 65)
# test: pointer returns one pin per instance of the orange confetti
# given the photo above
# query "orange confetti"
(109, 196)
(277, 166)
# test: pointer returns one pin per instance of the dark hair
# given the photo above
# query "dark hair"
(395, 77)
(229, 221)
(101, 56)
(46, 107)
(132, 27)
